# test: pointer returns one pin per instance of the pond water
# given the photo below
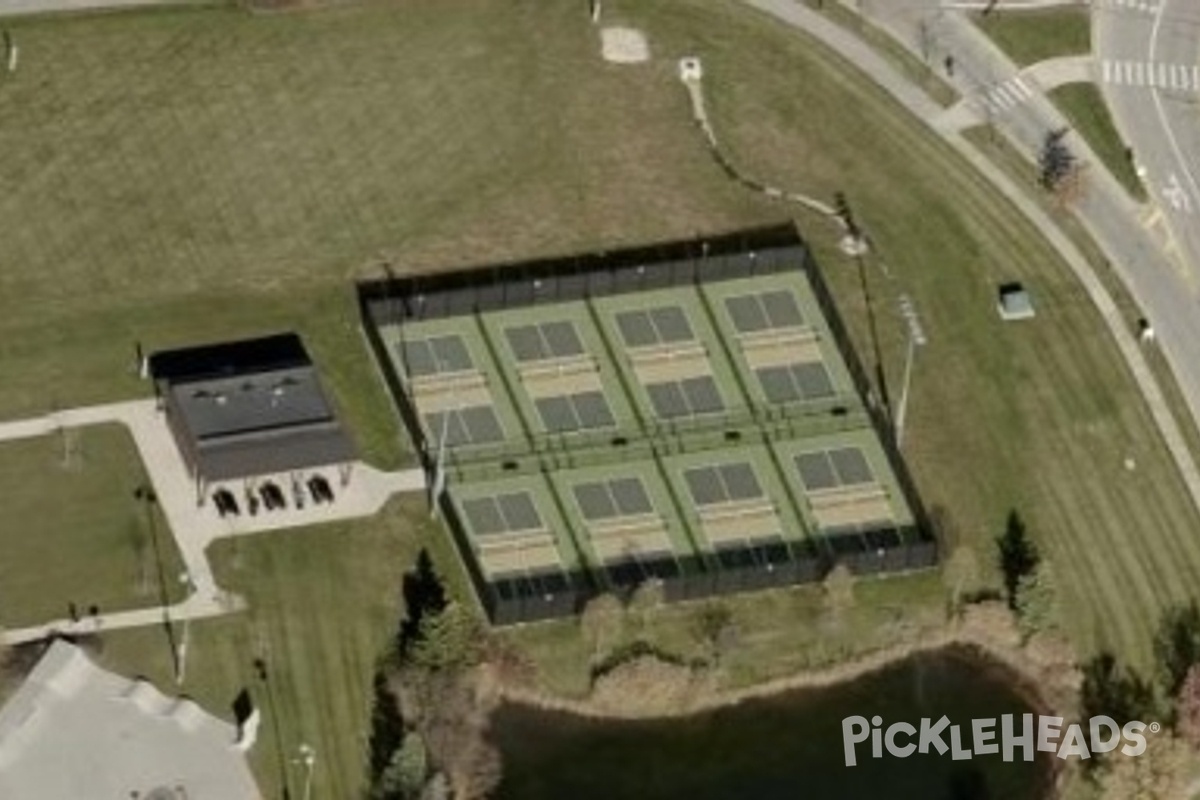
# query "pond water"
(787, 746)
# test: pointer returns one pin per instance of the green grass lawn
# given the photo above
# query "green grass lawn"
(1036, 417)
(257, 163)
(1008, 158)
(1084, 108)
(324, 604)
(73, 532)
(1032, 36)
(185, 175)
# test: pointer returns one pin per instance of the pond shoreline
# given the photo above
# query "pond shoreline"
(1009, 661)
(1041, 674)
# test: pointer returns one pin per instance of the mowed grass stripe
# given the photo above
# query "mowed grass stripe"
(1048, 395)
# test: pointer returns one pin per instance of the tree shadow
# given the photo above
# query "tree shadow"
(1018, 555)
(424, 596)
(387, 727)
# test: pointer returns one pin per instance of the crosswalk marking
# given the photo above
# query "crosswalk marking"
(1155, 74)
(1006, 95)
(1143, 6)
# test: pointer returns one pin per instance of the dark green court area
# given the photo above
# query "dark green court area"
(690, 415)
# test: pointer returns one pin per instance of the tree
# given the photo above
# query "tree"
(1111, 690)
(647, 596)
(1036, 601)
(1163, 772)
(839, 591)
(405, 775)
(1187, 708)
(448, 641)
(1056, 163)
(712, 626)
(424, 596)
(602, 622)
(1018, 555)
(387, 727)
(1177, 646)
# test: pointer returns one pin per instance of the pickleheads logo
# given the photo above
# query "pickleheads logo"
(1046, 734)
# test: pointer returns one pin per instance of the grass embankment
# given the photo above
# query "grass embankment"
(917, 71)
(1030, 36)
(1085, 109)
(71, 530)
(1025, 174)
(1037, 417)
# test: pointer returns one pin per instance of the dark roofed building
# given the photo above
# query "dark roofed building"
(248, 408)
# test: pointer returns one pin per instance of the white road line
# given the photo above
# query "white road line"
(1158, 105)
(1023, 88)
(1106, 68)
(1178, 77)
(1001, 96)
(1141, 76)
(1162, 76)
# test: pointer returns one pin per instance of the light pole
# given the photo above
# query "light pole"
(186, 579)
(903, 406)
(307, 757)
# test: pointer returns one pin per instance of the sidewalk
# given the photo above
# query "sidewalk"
(195, 527)
(799, 16)
(195, 607)
(14, 8)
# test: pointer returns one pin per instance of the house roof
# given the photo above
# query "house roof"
(74, 730)
(251, 408)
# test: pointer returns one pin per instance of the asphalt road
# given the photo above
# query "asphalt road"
(1148, 60)
(1166, 287)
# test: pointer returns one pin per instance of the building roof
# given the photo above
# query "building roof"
(74, 730)
(1015, 302)
(253, 407)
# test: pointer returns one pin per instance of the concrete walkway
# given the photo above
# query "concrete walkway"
(799, 16)
(1055, 72)
(15, 8)
(195, 527)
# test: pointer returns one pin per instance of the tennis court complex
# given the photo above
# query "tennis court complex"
(688, 413)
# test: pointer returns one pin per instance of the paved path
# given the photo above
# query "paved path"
(1156, 256)
(1054, 72)
(856, 51)
(196, 527)
(13, 8)
(194, 607)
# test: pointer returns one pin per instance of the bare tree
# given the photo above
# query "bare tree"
(839, 591)
(1187, 708)
(602, 622)
(961, 573)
